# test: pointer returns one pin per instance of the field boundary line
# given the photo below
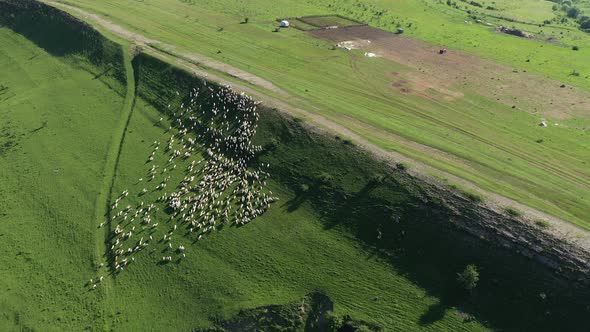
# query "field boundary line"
(103, 200)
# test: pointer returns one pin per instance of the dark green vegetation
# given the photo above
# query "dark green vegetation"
(311, 313)
(378, 243)
(577, 11)
(532, 12)
(469, 277)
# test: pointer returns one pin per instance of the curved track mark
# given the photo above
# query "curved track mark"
(103, 200)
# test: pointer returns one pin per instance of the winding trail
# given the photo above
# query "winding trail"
(103, 200)
(215, 71)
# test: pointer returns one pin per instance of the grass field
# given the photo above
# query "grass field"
(54, 143)
(77, 122)
(356, 92)
(59, 126)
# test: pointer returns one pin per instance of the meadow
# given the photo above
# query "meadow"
(79, 120)
(54, 143)
(545, 168)
(59, 127)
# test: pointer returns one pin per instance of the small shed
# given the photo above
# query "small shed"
(284, 24)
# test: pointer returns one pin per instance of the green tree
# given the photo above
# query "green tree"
(469, 277)
(573, 12)
(333, 322)
(584, 22)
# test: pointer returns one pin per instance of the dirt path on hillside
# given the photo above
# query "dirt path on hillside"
(559, 228)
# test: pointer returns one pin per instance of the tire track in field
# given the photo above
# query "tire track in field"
(517, 153)
(103, 200)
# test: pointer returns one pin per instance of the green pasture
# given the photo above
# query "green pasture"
(59, 129)
(273, 260)
(491, 144)
(73, 139)
(55, 120)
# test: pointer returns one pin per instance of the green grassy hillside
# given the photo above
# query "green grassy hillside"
(57, 130)
(497, 145)
(53, 144)
(378, 243)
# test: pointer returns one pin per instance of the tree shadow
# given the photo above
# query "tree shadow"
(295, 203)
(434, 313)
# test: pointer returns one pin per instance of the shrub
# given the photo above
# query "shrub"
(475, 198)
(469, 277)
(513, 212)
(575, 48)
(377, 179)
(542, 223)
(303, 188)
(333, 322)
(325, 178)
(272, 144)
(573, 12)
(347, 142)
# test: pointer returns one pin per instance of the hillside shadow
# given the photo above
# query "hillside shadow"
(418, 239)
(64, 36)
(434, 313)
(52, 30)
(399, 220)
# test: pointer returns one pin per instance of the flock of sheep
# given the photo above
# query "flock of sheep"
(214, 145)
